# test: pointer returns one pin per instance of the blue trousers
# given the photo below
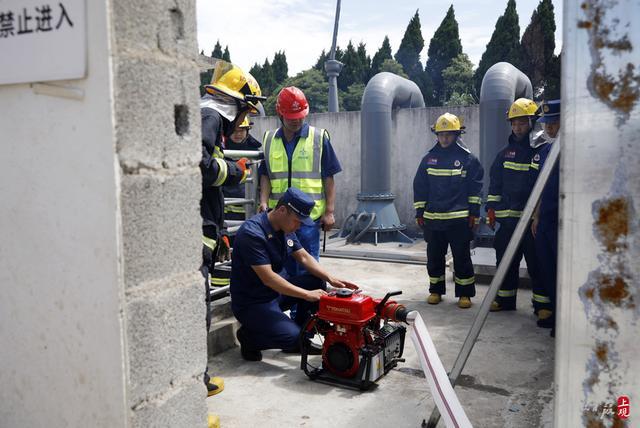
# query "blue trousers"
(268, 327)
(547, 251)
(309, 237)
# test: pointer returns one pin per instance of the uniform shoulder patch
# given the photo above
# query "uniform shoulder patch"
(290, 242)
(509, 154)
(536, 157)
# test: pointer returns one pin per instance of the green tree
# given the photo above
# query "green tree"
(457, 99)
(504, 44)
(280, 67)
(268, 82)
(458, 78)
(538, 44)
(352, 97)
(552, 82)
(412, 43)
(444, 46)
(226, 55)
(383, 54)
(217, 50)
(256, 72)
(392, 66)
(365, 63)
(353, 69)
(314, 86)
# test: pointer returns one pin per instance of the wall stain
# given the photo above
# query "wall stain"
(620, 90)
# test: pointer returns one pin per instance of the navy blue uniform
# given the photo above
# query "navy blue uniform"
(547, 232)
(512, 176)
(257, 306)
(216, 172)
(446, 191)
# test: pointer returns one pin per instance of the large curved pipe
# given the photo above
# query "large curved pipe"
(384, 92)
(502, 84)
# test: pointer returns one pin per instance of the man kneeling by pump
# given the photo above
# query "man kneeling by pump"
(260, 288)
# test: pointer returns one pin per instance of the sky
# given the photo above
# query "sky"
(256, 29)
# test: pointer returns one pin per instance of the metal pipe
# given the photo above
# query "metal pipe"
(249, 154)
(333, 67)
(384, 92)
(496, 282)
(501, 85)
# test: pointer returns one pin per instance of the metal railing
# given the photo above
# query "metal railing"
(250, 203)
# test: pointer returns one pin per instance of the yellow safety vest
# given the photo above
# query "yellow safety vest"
(305, 171)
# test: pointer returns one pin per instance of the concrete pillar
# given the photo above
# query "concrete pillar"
(599, 275)
(102, 312)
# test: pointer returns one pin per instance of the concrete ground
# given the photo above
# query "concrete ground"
(507, 381)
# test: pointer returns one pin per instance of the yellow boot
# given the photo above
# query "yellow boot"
(215, 386)
(434, 299)
(464, 302)
(213, 421)
(495, 307)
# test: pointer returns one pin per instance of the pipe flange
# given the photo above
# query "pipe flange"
(376, 196)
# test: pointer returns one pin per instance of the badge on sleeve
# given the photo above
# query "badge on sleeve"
(536, 157)
(456, 163)
(290, 242)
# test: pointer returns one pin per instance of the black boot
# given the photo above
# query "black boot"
(247, 352)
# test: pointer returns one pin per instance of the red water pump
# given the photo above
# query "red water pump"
(362, 338)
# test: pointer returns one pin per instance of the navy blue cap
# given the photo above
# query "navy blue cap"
(300, 203)
(550, 112)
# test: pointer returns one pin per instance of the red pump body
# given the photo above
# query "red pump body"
(351, 322)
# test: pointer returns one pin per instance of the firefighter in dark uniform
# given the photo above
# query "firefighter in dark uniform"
(545, 220)
(446, 195)
(240, 139)
(231, 95)
(512, 176)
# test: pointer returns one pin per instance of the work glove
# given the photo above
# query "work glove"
(224, 249)
(420, 221)
(242, 164)
(491, 217)
(473, 222)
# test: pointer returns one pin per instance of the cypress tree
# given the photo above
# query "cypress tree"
(280, 67)
(444, 47)
(352, 71)
(383, 54)
(504, 44)
(365, 63)
(268, 82)
(217, 51)
(225, 55)
(538, 45)
(412, 43)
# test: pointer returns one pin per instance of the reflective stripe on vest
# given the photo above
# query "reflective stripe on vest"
(306, 173)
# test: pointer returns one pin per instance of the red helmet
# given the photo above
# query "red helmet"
(292, 104)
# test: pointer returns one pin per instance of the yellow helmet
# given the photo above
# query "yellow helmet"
(522, 107)
(231, 80)
(448, 123)
(246, 124)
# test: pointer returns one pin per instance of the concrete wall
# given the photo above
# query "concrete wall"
(412, 138)
(596, 358)
(102, 313)
(158, 145)
(61, 325)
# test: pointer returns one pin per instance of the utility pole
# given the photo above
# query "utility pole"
(333, 67)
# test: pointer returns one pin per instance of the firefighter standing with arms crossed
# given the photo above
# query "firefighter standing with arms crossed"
(446, 195)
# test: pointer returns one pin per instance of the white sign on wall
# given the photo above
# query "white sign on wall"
(42, 40)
